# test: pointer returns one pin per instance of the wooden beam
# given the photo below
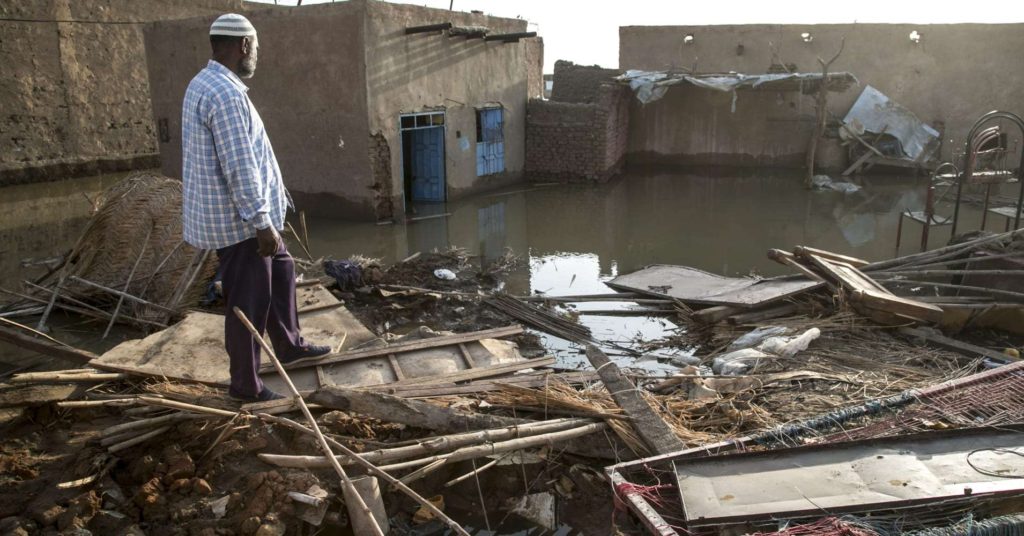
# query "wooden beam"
(469, 374)
(653, 430)
(938, 340)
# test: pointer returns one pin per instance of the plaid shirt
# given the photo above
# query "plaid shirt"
(232, 182)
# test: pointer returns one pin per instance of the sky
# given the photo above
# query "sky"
(587, 32)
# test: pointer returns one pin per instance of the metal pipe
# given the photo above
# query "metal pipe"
(428, 28)
(510, 36)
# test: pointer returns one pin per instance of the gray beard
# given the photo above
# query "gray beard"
(247, 68)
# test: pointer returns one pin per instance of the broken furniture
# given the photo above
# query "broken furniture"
(900, 138)
(193, 350)
(842, 274)
(856, 476)
(926, 217)
(987, 152)
(986, 399)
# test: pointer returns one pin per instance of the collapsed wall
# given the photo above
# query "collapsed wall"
(581, 134)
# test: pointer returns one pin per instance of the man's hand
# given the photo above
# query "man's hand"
(269, 241)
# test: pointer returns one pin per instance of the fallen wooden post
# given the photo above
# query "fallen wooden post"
(479, 451)
(421, 414)
(436, 444)
(651, 428)
(359, 511)
(374, 470)
(939, 340)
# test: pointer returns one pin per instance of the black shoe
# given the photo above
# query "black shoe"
(309, 353)
(265, 395)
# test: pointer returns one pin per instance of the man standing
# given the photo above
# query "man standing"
(235, 202)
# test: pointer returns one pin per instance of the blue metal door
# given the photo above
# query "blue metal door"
(490, 145)
(428, 164)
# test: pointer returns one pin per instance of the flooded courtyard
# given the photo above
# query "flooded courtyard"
(570, 239)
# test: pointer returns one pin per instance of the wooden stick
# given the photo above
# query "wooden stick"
(61, 377)
(127, 284)
(49, 305)
(305, 230)
(479, 451)
(299, 240)
(41, 334)
(993, 291)
(937, 273)
(28, 311)
(145, 423)
(153, 401)
(137, 440)
(360, 504)
(81, 307)
(374, 470)
(954, 262)
(435, 444)
(939, 254)
(116, 402)
(115, 292)
(476, 471)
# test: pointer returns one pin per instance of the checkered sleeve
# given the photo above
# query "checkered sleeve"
(230, 122)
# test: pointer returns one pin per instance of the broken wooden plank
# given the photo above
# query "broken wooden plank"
(39, 394)
(469, 374)
(422, 344)
(714, 314)
(936, 339)
(409, 412)
(867, 292)
(803, 251)
(651, 428)
(541, 319)
(693, 286)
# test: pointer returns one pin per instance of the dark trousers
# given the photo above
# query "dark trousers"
(264, 289)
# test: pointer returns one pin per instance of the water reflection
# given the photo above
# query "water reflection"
(573, 238)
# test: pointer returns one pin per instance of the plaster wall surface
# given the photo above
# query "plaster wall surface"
(431, 71)
(75, 94)
(309, 88)
(956, 73)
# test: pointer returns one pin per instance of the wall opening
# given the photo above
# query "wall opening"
(423, 166)
(490, 141)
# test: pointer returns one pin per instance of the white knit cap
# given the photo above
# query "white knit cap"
(232, 24)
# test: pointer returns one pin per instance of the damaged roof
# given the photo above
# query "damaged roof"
(650, 86)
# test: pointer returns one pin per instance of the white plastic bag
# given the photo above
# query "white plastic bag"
(789, 346)
(445, 274)
(749, 340)
(738, 362)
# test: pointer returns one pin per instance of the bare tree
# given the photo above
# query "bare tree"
(821, 111)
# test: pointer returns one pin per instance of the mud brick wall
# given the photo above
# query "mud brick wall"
(579, 83)
(75, 92)
(577, 142)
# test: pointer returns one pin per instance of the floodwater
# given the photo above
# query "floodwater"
(571, 239)
(574, 238)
